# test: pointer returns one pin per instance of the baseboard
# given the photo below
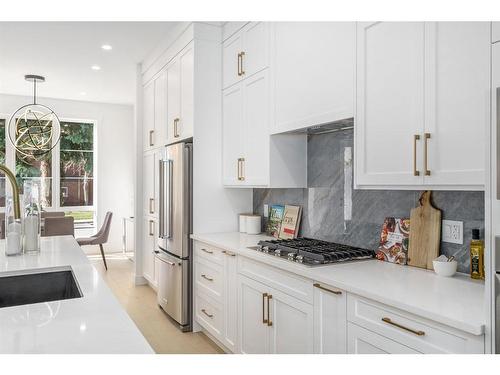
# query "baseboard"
(140, 280)
(216, 342)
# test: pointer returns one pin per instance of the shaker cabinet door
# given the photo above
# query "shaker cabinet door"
(148, 181)
(185, 125)
(390, 103)
(457, 102)
(148, 116)
(232, 135)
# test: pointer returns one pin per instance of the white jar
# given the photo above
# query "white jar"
(253, 224)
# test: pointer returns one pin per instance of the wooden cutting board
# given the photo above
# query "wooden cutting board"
(425, 233)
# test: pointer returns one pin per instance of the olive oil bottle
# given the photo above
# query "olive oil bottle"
(476, 256)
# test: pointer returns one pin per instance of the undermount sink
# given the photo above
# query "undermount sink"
(45, 286)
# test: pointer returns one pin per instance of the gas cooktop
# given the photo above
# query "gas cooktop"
(312, 252)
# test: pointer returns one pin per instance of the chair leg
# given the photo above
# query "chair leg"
(103, 257)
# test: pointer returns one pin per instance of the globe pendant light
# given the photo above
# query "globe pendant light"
(34, 129)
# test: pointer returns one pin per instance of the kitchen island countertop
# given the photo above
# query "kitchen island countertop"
(456, 301)
(95, 323)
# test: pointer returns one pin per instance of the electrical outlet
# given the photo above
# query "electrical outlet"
(266, 210)
(453, 231)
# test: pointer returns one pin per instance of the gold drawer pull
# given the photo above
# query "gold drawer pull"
(228, 253)
(151, 205)
(151, 228)
(427, 136)
(264, 320)
(207, 251)
(151, 141)
(207, 278)
(207, 314)
(319, 286)
(269, 323)
(416, 138)
(389, 321)
(242, 72)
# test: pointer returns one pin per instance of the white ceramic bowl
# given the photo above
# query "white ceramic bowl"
(445, 268)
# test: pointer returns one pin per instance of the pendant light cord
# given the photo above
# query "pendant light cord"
(34, 91)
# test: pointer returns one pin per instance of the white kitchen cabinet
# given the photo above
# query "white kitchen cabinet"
(148, 118)
(245, 53)
(253, 327)
(330, 320)
(180, 96)
(272, 321)
(495, 32)
(215, 279)
(251, 158)
(291, 323)
(422, 105)
(363, 341)
(313, 82)
(148, 183)
(230, 301)
(148, 247)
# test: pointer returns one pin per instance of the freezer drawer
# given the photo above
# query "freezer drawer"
(173, 287)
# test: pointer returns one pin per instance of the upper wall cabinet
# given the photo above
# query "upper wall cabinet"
(180, 96)
(314, 73)
(245, 53)
(495, 32)
(422, 104)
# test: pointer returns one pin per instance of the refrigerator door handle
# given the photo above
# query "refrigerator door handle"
(169, 200)
(165, 174)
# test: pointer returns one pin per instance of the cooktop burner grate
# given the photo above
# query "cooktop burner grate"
(313, 252)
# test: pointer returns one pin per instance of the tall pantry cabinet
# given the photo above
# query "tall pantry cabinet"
(168, 117)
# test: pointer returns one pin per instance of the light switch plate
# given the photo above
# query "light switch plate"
(266, 210)
(452, 231)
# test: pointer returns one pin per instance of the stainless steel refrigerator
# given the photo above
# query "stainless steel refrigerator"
(175, 227)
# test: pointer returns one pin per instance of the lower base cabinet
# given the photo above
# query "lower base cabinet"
(363, 341)
(330, 318)
(272, 321)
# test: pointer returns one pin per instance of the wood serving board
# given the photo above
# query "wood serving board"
(425, 233)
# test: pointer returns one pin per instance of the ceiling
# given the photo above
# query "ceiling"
(64, 53)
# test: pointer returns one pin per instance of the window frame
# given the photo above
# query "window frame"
(10, 157)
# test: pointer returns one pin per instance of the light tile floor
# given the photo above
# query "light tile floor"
(140, 304)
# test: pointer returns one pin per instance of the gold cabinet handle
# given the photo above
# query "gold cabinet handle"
(239, 60)
(228, 253)
(269, 323)
(241, 63)
(319, 286)
(427, 136)
(176, 127)
(151, 228)
(207, 278)
(264, 320)
(241, 171)
(207, 251)
(416, 138)
(151, 141)
(389, 321)
(207, 314)
(151, 205)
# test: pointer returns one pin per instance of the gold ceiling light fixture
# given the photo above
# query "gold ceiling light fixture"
(34, 129)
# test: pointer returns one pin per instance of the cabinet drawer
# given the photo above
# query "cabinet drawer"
(286, 282)
(363, 341)
(208, 278)
(420, 334)
(209, 252)
(209, 314)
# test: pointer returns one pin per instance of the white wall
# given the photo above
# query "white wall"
(115, 153)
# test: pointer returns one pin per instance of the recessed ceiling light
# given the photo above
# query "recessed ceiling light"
(95, 67)
(106, 47)
(83, 93)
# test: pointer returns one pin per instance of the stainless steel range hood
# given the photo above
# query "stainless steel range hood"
(333, 127)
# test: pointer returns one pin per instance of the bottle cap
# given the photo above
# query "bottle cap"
(475, 234)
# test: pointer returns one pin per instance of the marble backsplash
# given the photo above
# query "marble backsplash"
(323, 202)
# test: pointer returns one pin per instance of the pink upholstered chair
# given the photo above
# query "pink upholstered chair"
(100, 237)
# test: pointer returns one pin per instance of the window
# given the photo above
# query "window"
(77, 170)
(65, 175)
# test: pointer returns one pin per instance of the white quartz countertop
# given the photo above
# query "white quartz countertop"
(454, 301)
(95, 323)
